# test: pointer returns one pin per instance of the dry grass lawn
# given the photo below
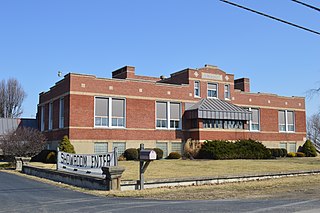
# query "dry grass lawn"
(209, 168)
(205, 168)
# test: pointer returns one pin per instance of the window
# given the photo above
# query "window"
(118, 112)
(290, 116)
(171, 120)
(197, 88)
(102, 112)
(292, 147)
(50, 115)
(106, 106)
(61, 113)
(283, 145)
(161, 114)
(176, 147)
(121, 147)
(212, 90)
(174, 115)
(255, 120)
(223, 124)
(42, 119)
(286, 121)
(100, 148)
(227, 91)
(164, 147)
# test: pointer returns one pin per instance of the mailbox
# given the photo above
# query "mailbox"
(148, 155)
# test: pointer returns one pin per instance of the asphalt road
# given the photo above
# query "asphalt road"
(19, 194)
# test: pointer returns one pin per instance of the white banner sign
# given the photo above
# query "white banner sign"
(89, 164)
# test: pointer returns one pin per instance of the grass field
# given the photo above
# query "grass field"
(205, 168)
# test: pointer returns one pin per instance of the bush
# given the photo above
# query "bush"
(51, 157)
(251, 149)
(277, 152)
(131, 154)
(308, 149)
(217, 149)
(159, 153)
(241, 149)
(66, 146)
(174, 155)
(284, 152)
(291, 154)
(45, 156)
(300, 154)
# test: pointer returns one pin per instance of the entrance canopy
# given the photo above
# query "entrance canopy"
(212, 108)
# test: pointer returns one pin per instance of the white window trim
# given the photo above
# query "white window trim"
(42, 119)
(109, 126)
(213, 90)
(229, 92)
(286, 121)
(194, 89)
(168, 116)
(250, 122)
(50, 120)
(61, 115)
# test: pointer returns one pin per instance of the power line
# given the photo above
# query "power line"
(307, 5)
(271, 17)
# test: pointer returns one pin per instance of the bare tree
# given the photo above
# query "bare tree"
(24, 141)
(313, 128)
(11, 98)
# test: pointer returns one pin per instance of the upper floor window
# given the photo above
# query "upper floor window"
(174, 115)
(104, 107)
(255, 119)
(197, 88)
(227, 91)
(286, 121)
(212, 90)
(117, 112)
(42, 119)
(171, 120)
(50, 124)
(102, 112)
(61, 113)
(161, 108)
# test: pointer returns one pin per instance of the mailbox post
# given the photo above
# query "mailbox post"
(146, 156)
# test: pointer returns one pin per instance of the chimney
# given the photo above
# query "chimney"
(124, 72)
(242, 84)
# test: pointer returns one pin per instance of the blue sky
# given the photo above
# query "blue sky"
(39, 38)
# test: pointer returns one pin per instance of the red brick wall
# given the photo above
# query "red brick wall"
(140, 108)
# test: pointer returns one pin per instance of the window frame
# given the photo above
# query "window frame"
(61, 112)
(50, 117)
(168, 116)
(286, 123)
(211, 90)
(259, 120)
(227, 91)
(110, 117)
(117, 143)
(100, 143)
(42, 122)
(197, 89)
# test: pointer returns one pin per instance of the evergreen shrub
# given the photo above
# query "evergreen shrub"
(308, 149)
(174, 155)
(131, 154)
(241, 149)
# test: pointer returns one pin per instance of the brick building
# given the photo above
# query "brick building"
(202, 104)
